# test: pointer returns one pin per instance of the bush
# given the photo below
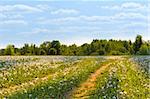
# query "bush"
(115, 53)
(94, 53)
(101, 52)
(144, 50)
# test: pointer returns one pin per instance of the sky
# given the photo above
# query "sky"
(72, 21)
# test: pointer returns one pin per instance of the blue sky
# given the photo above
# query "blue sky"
(72, 21)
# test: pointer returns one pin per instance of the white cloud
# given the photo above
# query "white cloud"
(96, 19)
(44, 7)
(65, 11)
(74, 19)
(10, 16)
(36, 31)
(129, 16)
(19, 8)
(13, 22)
(62, 30)
(132, 5)
(127, 6)
(136, 24)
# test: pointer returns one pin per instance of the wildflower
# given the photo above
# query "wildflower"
(30, 95)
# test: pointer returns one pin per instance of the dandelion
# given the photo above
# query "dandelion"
(125, 92)
(30, 95)
(104, 97)
(121, 93)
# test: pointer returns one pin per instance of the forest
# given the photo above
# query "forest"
(96, 47)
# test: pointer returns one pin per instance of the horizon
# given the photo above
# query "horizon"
(72, 22)
(72, 43)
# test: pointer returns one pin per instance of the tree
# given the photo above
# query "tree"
(130, 43)
(17, 51)
(85, 49)
(2, 51)
(144, 50)
(126, 44)
(64, 50)
(101, 52)
(73, 49)
(137, 44)
(56, 44)
(123, 50)
(131, 50)
(10, 49)
(33, 49)
(53, 51)
(108, 48)
(45, 47)
(25, 50)
(96, 47)
(42, 52)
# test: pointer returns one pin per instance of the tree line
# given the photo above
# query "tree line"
(96, 47)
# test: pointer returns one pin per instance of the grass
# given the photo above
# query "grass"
(63, 77)
(56, 86)
(123, 80)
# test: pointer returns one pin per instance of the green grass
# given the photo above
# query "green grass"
(63, 82)
(124, 80)
(54, 78)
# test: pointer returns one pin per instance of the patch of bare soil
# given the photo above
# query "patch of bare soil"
(82, 91)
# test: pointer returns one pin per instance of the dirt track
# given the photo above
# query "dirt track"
(89, 84)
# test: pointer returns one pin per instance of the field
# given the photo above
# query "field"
(72, 77)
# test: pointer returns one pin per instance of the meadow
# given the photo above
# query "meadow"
(74, 77)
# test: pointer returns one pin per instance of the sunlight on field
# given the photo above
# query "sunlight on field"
(67, 77)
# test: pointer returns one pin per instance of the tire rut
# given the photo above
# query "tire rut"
(82, 91)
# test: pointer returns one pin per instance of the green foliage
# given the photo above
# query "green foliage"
(102, 52)
(121, 80)
(9, 50)
(42, 52)
(115, 53)
(56, 45)
(64, 50)
(44, 48)
(144, 50)
(56, 77)
(53, 51)
(56, 85)
(96, 47)
(85, 49)
(137, 44)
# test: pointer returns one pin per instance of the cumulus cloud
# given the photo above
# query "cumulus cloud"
(19, 8)
(10, 16)
(44, 7)
(74, 19)
(132, 5)
(137, 24)
(84, 18)
(62, 30)
(44, 30)
(47, 31)
(129, 16)
(65, 11)
(127, 6)
(36, 31)
(13, 22)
